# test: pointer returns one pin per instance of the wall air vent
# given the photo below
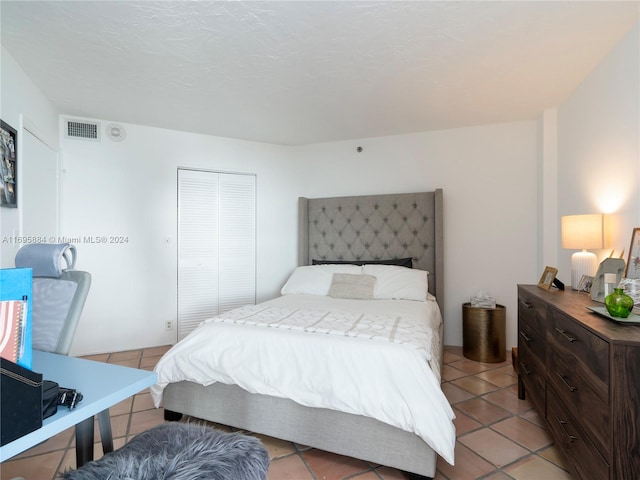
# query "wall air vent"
(83, 130)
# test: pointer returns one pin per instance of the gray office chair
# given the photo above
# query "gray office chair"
(58, 295)
(57, 300)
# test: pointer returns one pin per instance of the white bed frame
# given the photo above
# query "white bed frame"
(340, 228)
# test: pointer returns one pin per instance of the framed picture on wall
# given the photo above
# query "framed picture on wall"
(8, 165)
(632, 270)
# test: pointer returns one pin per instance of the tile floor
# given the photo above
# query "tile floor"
(498, 436)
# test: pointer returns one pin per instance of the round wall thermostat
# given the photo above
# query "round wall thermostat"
(116, 132)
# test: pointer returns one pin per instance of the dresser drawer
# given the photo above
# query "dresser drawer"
(532, 338)
(575, 391)
(532, 310)
(532, 374)
(584, 456)
(590, 353)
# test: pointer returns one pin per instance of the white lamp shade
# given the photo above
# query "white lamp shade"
(583, 232)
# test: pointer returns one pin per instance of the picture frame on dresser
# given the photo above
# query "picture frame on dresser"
(632, 269)
(585, 283)
(547, 278)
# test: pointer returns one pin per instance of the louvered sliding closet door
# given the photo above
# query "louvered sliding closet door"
(216, 245)
(237, 241)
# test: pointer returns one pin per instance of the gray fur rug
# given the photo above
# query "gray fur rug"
(179, 451)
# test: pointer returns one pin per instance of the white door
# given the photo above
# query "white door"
(216, 245)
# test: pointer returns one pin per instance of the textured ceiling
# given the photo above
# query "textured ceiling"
(308, 72)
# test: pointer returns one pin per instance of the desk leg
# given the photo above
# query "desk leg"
(104, 422)
(84, 442)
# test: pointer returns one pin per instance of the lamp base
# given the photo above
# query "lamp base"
(582, 263)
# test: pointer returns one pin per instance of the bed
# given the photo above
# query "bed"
(399, 417)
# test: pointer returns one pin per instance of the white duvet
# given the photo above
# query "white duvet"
(294, 347)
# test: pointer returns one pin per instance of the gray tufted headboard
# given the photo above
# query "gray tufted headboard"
(375, 227)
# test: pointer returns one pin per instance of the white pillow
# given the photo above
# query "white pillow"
(398, 283)
(315, 279)
(347, 285)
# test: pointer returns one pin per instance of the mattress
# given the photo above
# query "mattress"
(295, 347)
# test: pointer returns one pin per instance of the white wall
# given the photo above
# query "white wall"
(21, 102)
(599, 146)
(488, 175)
(128, 189)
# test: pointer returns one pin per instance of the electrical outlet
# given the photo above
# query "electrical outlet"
(169, 325)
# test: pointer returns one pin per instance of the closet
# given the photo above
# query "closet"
(216, 244)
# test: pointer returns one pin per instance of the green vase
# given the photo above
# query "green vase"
(618, 303)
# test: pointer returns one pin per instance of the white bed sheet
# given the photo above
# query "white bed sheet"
(390, 382)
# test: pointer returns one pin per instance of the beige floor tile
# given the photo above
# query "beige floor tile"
(533, 417)
(483, 411)
(149, 362)
(121, 408)
(143, 401)
(42, 467)
(464, 423)
(506, 399)
(469, 465)
(101, 357)
(536, 468)
(497, 377)
(455, 394)
(493, 447)
(474, 385)
(126, 362)
(126, 355)
(155, 351)
(288, 468)
(141, 421)
(366, 476)
(553, 454)
(330, 466)
(470, 366)
(277, 448)
(525, 433)
(499, 476)
(449, 373)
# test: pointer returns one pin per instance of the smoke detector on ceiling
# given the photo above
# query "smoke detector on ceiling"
(116, 132)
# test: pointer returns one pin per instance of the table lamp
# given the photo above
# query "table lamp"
(583, 232)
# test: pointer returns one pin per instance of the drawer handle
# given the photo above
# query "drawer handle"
(570, 437)
(527, 304)
(525, 336)
(565, 335)
(525, 369)
(566, 384)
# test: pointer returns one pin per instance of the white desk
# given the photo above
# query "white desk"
(102, 386)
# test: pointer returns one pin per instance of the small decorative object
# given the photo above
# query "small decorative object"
(631, 287)
(633, 260)
(618, 303)
(546, 280)
(610, 283)
(483, 300)
(8, 167)
(608, 265)
(585, 283)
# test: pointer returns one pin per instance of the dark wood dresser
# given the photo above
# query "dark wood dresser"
(581, 372)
